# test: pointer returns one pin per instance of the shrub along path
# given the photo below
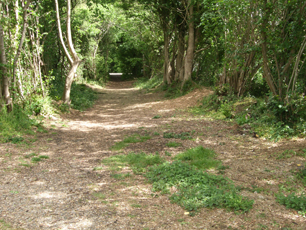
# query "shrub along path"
(62, 180)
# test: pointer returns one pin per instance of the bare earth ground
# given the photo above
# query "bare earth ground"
(61, 192)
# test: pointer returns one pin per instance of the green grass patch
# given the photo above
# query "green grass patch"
(129, 140)
(99, 195)
(115, 162)
(290, 153)
(301, 175)
(175, 89)
(196, 189)
(145, 83)
(38, 158)
(15, 124)
(30, 155)
(136, 205)
(5, 226)
(138, 162)
(120, 176)
(25, 164)
(173, 144)
(200, 157)
(14, 140)
(156, 117)
(293, 201)
(97, 168)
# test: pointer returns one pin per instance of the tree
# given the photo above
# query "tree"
(73, 59)
(4, 81)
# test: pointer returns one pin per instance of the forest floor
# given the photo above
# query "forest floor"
(73, 189)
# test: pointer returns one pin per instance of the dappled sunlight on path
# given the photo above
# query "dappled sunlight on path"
(74, 189)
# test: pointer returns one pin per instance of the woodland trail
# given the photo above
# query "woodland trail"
(66, 192)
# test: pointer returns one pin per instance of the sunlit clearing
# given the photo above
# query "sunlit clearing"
(79, 225)
(48, 195)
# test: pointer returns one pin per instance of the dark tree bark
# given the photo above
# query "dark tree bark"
(191, 45)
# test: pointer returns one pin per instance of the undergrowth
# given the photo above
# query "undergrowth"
(145, 83)
(82, 97)
(175, 89)
(268, 117)
(15, 124)
(172, 90)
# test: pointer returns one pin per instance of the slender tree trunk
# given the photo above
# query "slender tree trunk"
(191, 43)
(4, 86)
(106, 61)
(167, 67)
(74, 60)
(267, 73)
(25, 22)
(179, 74)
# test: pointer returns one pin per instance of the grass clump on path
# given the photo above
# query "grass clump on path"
(129, 140)
(138, 162)
(196, 189)
(200, 157)
(293, 201)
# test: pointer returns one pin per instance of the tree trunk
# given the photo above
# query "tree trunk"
(179, 74)
(167, 67)
(25, 22)
(74, 60)
(191, 43)
(4, 86)
(69, 81)
(266, 69)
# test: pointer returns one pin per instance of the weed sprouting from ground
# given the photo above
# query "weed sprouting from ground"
(173, 144)
(293, 201)
(39, 158)
(129, 140)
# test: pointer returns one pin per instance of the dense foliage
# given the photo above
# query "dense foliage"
(242, 48)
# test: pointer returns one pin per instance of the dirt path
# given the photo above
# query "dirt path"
(66, 192)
